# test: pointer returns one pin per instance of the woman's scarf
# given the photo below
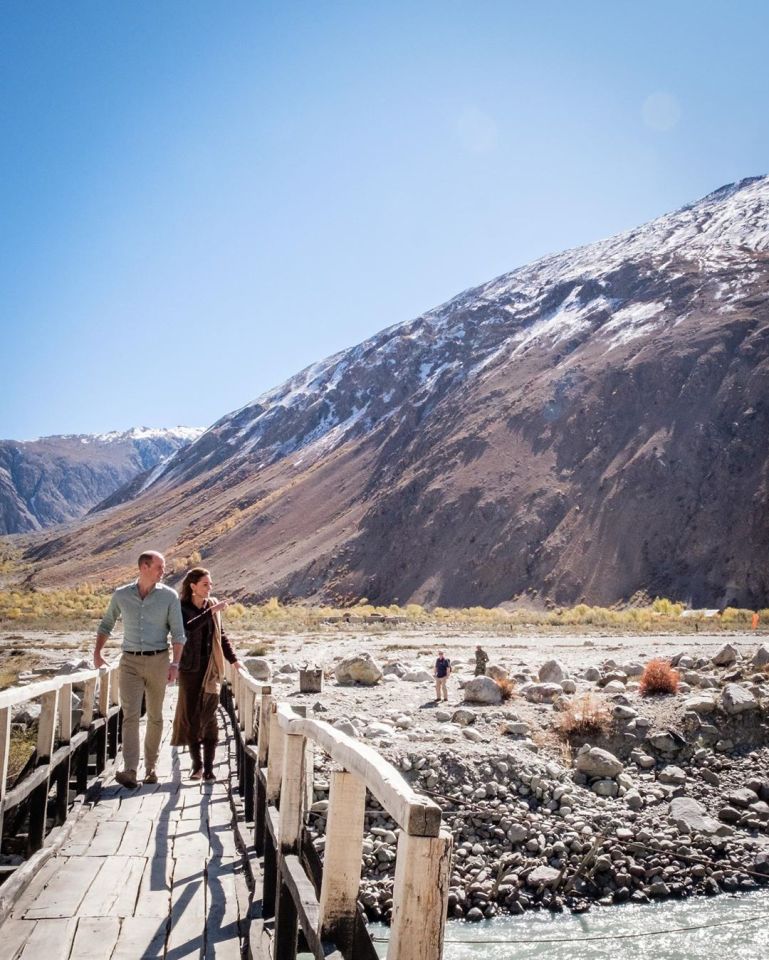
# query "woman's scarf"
(212, 681)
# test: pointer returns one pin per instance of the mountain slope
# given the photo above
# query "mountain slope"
(54, 479)
(586, 426)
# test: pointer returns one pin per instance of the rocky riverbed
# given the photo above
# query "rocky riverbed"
(668, 796)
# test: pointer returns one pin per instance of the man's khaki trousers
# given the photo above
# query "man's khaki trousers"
(142, 676)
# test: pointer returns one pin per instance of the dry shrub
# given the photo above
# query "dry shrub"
(507, 687)
(658, 677)
(584, 717)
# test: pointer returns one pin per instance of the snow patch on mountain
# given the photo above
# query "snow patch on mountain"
(597, 291)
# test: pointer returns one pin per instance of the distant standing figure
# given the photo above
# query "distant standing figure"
(201, 672)
(481, 659)
(442, 674)
(150, 611)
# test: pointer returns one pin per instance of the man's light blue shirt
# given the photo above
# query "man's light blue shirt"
(147, 622)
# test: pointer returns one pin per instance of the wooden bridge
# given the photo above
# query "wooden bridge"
(183, 869)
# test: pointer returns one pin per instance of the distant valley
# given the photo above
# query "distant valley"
(53, 480)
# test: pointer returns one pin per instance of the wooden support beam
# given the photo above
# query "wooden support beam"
(415, 814)
(248, 714)
(292, 793)
(286, 921)
(89, 700)
(265, 712)
(420, 897)
(342, 860)
(114, 687)
(5, 750)
(275, 757)
(104, 683)
(46, 726)
(65, 713)
(306, 904)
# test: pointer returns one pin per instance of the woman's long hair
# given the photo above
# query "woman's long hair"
(190, 577)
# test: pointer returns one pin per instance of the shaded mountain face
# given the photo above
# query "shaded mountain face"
(55, 479)
(584, 427)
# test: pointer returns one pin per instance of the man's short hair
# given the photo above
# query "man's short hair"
(146, 558)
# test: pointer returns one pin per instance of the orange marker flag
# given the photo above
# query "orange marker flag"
(755, 621)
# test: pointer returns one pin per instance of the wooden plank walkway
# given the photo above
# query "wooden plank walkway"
(146, 873)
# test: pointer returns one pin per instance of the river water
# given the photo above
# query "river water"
(726, 928)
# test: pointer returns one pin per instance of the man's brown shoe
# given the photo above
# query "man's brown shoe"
(127, 778)
(150, 777)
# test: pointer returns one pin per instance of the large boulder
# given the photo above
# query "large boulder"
(358, 668)
(595, 762)
(701, 703)
(417, 676)
(541, 692)
(543, 876)
(737, 699)
(760, 657)
(258, 668)
(496, 672)
(396, 668)
(463, 717)
(482, 690)
(26, 713)
(552, 672)
(666, 741)
(726, 656)
(690, 816)
(346, 726)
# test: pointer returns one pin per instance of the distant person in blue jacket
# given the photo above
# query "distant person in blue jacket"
(442, 674)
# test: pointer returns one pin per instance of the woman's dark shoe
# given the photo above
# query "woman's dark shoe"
(196, 773)
(209, 754)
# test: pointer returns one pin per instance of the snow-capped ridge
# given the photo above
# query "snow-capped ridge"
(606, 290)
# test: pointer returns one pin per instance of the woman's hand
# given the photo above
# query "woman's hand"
(219, 605)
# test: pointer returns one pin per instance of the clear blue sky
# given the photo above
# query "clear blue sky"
(198, 198)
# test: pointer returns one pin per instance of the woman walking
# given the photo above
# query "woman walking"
(201, 671)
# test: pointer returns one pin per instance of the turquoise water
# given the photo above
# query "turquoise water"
(731, 928)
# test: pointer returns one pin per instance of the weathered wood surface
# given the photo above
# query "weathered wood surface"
(416, 814)
(152, 872)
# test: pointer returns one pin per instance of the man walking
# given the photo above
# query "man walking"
(442, 674)
(149, 611)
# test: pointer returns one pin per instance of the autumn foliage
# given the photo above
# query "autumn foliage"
(658, 677)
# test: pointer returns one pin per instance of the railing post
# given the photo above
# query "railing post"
(249, 763)
(89, 699)
(291, 814)
(342, 860)
(5, 749)
(275, 757)
(65, 735)
(86, 719)
(263, 743)
(420, 897)
(292, 792)
(38, 803)
(101, 735)
(65, 713)
(113, 723)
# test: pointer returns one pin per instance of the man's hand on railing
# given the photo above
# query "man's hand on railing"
(99, 661)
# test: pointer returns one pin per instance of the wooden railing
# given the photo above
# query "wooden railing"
(63, 757)
(275, 768)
